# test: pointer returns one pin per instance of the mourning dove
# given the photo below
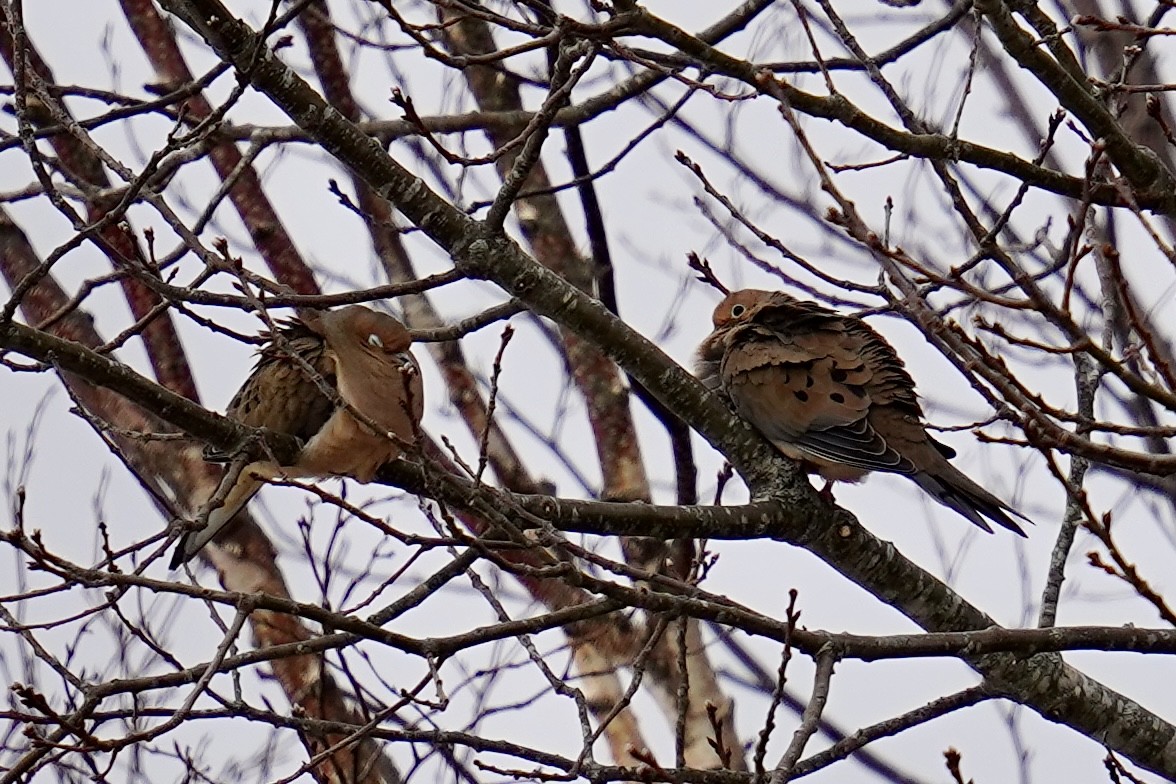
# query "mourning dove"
(829, 391)
(359, 356)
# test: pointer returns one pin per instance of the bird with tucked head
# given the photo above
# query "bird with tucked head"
(345, 383)
(830, 392)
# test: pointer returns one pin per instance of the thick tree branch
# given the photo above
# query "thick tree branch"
(1042, 682)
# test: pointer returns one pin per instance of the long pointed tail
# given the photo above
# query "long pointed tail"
(950, 487)
(244, 488)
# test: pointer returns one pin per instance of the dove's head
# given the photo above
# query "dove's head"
(376, 372)
(738, 306)
(354, 328)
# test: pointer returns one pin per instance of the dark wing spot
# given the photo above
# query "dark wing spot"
(808, 381)
(857, 389)
(839, 375)
(801, 395)
(837, 397)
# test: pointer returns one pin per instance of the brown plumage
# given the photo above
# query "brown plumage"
(829, 391)
(358, 354)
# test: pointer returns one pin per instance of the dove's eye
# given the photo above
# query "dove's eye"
(374, 340)
(738, 310)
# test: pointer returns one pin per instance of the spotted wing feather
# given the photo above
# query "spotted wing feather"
(811, 378)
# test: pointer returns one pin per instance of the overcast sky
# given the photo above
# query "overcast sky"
(72, 481)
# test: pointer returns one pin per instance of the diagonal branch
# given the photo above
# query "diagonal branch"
(1043, 682)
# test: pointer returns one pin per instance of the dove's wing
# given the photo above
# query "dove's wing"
(809, 378)
(281, 396)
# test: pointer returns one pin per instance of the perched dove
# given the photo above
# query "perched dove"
(360, 355)
(829, 391)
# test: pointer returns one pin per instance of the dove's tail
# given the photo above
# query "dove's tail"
(246, 487)
(950, 487)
